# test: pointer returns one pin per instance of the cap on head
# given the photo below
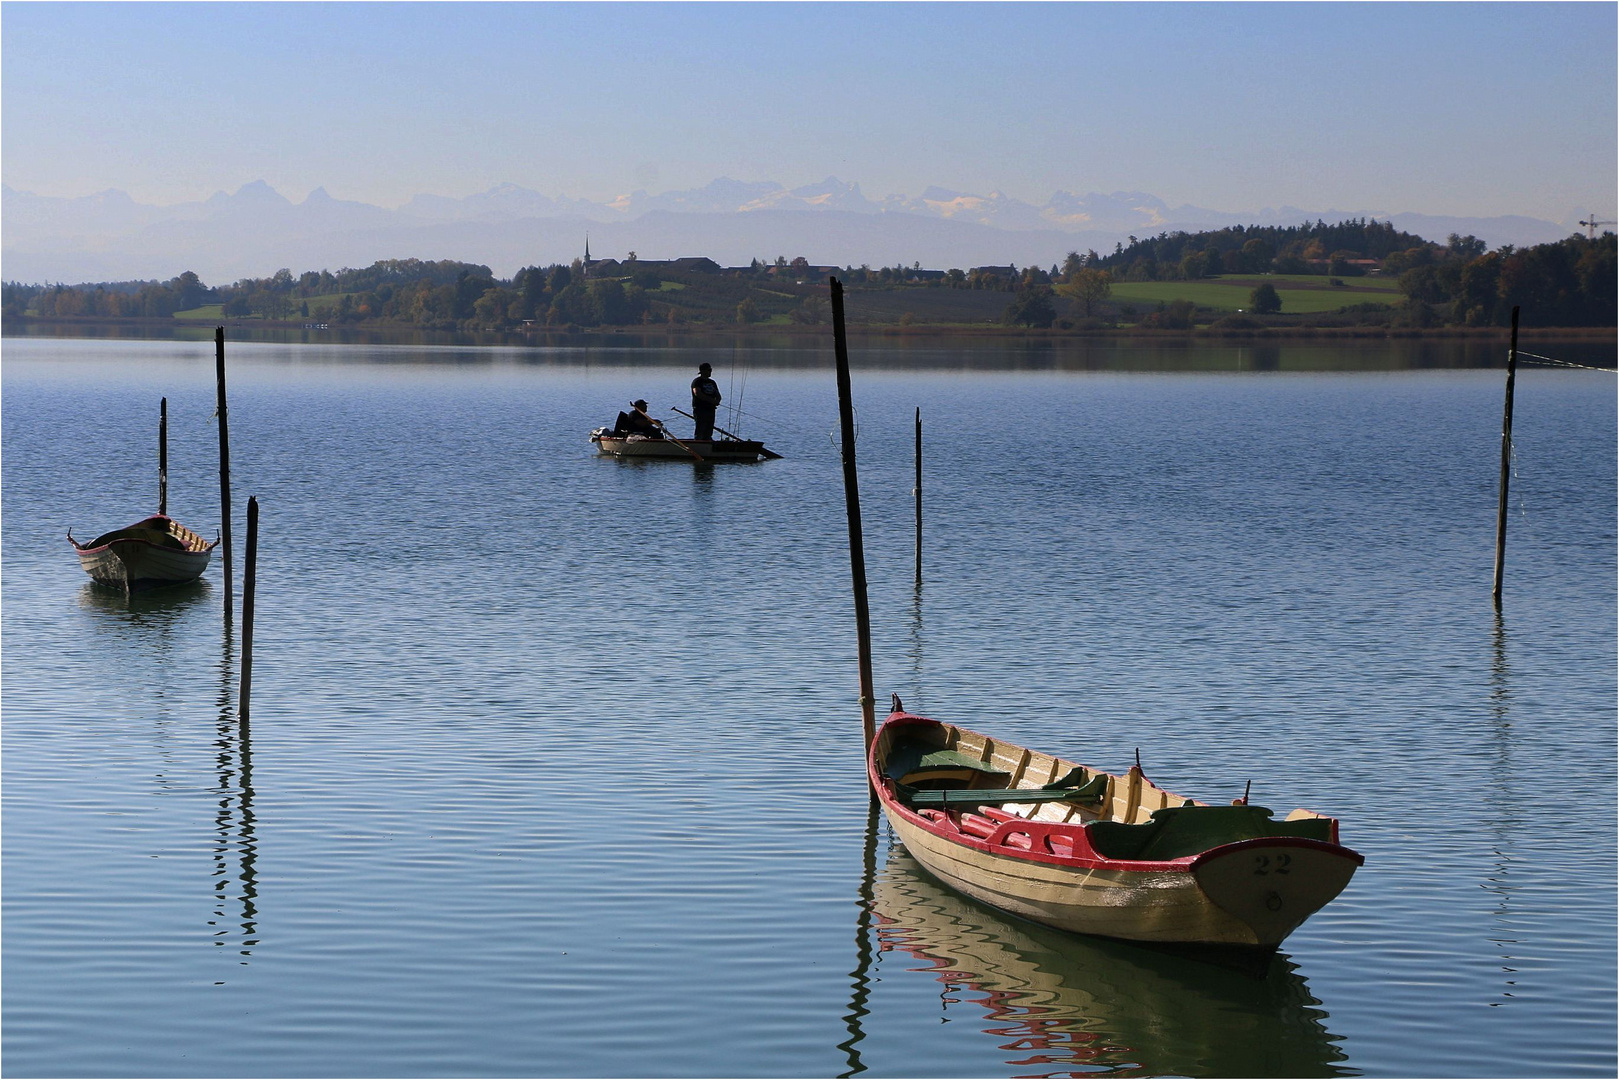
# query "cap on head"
(639, 404)
(704, 368)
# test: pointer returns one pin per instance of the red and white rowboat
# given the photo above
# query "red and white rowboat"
(1086, 851)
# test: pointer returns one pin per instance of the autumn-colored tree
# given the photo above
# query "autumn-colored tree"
(1089, 286)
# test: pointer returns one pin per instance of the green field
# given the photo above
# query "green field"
(1302, 294)
(214, 313)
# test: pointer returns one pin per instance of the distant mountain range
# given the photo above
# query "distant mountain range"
(256, 230)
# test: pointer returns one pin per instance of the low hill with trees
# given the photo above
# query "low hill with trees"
(1356, 273)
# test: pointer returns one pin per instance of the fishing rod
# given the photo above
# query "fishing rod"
(755, 416)
(722, 431)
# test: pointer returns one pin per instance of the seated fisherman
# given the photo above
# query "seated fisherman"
(637, 422)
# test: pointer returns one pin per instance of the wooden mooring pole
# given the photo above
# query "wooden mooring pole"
(918, 494)
(224, 462)
(1506, 466)
(249, 579)
(851, 499)
(163, 457)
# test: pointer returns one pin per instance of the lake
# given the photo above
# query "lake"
(554, 768)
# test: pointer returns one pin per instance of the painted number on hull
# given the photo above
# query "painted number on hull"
(1267, 864)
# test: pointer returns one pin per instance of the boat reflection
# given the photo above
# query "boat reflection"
(1066, 1005)
(144, 605)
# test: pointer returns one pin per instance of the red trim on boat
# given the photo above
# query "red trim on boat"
(998, 832)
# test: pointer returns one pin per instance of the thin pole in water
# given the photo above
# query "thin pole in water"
(1506, 466)
(918, 494)
(163, 457)
(224, 461)
(249, 578)
(851, 498)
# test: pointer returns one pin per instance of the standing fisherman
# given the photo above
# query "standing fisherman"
(705, 397)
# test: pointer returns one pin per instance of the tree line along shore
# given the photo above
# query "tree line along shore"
(1354, 278)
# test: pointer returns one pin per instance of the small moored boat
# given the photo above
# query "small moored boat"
(154, 551)
(1058, 843)
(669, 449)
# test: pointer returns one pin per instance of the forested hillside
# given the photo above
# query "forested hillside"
(1357, 272)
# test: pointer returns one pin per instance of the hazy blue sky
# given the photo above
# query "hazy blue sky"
(1450, 108)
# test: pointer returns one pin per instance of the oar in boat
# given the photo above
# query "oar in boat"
(722, 431)
(670, 437)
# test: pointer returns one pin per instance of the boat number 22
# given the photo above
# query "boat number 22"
(1271, 864)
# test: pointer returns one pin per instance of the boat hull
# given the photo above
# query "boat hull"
(152, 553)
(669, 450)
(1162, 906)
(1249, 894)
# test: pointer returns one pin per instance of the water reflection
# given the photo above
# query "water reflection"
(1498, 880)
(865, 953)
(1500, 675)
(160, 607)
(1262, 358)
(614, 347)
(235, 848)
(1065, 1005)
(152, 622)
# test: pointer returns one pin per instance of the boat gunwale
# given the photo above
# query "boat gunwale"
(189, 537)
(713, 447)
(946, 829)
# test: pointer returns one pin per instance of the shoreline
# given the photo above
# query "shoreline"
(162, 328)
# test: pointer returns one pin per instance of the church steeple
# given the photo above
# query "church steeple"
(587, 254)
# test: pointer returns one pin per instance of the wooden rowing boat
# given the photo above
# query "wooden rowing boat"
(1058, 843)
(666, 449)
(152, 552)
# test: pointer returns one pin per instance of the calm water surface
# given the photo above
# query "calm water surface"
(554, 769)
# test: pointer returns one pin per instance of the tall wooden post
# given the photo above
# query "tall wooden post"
(224, 462)
(918, 494)
(1506, 466)
(851, 499)
(163, 457)
(249, 578)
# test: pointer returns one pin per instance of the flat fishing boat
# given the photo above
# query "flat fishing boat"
(669, 449)
(155, 551)
(1067, 846)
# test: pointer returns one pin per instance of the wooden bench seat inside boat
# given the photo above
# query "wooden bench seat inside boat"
(1093, 791)
(917, 766)
(949, 778)
(1178, 831)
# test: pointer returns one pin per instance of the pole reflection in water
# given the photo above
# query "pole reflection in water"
(865, 954)
(150, 622)
(1497, 881)
(236, 845)
(1067, 1005)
